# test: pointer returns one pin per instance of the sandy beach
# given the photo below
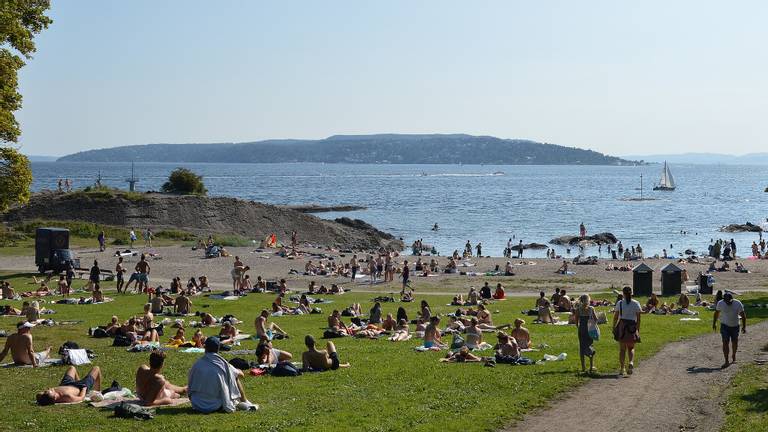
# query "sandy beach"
(532, 275)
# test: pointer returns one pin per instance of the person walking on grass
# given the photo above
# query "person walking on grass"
(626, 329)
(586, 313)
(729, 311)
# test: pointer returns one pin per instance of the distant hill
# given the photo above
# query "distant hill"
(705, 158)
(387, 148)
(39, 158)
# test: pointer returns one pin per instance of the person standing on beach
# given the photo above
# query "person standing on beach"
(294, 240)
(354, 266)
(119, 272)
(60, 186)
(582, 231)
(626, 328)
(729, 311)
(142, 267)
(148, 238)
(372, 269)
(406, 275)
(102, 241)
(479, 249)
(132, 236)
(520, 249)
(468, 248)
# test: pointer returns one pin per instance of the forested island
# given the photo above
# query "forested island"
(386, 148)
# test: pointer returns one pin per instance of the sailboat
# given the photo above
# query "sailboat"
(667, 182)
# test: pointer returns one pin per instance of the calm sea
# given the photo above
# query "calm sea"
(485, 203)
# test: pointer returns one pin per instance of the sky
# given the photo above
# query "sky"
(616, 77)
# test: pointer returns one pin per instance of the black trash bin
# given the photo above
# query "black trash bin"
(642, 281)
(704, 288)
(671, 280)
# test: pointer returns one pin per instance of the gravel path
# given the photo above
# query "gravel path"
(681, 388)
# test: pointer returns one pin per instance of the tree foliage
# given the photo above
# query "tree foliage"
(20, 21)
(15, 178)
(184, 181)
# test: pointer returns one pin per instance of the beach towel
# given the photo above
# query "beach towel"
(45, 363)
(193, 350)
(213, 384)
(112, 403)
(78, 357)
(690, 319)
(422, 348)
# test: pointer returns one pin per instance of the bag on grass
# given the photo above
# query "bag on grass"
(100, 333)
(593, 329)
(133, 411)
(240, 363)
(121, 341)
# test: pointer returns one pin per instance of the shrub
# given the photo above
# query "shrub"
(173, 234)
(135, 196)
(10, 237)
(184, 181)
(76, 228)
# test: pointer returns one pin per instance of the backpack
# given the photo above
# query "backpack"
(68, 345)
(121, 341)
(285, 369)
(100, 333)
(330, 334)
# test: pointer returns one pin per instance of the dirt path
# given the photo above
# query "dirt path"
(681, 388)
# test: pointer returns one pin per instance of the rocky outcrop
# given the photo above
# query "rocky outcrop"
(602, 238)
(202, 216)
(317, 208)
(530, 246)
(747, 227)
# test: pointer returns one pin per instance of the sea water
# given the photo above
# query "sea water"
(483, 203)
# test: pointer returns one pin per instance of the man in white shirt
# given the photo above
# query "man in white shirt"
(214, 384)
(729, 311)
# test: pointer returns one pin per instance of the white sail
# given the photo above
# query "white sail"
(668, 174)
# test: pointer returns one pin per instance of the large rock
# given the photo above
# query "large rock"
(201, 215)
(747, 227)
(602, 238)
(530, 246)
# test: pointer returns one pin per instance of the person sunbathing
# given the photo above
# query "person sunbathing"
(21, 347)
(320, 360)
(7, 291)
(268, 330)
(335, 324)
(31, 311)
(474, 334)
(278, 309)
(151, 386)
(370, 331)
(473, 297)
(148, 324)
(267, 354)
(485, 321)
(651, 304)
(389, 323)
(182, 305)
(683, 301)
(207, 320)
(463, 355)
(406, 296)
(71, 388)
(401, 332)
(507, 349)
(563, 303)
(11, 311)
(198, 339)
(227, 333)
(113, 327)
(179, 338)
(521, 334)
(426, 312)
(432, 334)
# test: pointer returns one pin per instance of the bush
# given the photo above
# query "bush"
(76, 228)
(9, 237)
(173, 234)
(184, 181)
(135, 196)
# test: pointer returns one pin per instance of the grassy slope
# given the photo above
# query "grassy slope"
(389, 387)
(747, 406)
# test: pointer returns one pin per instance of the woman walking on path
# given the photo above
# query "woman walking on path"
(585, 314)
(626, 328)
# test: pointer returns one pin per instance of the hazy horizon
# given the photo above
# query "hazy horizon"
(621, 79)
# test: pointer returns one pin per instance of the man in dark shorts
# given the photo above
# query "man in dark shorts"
(142, 267)
(320, 360)
(729, 311)
(72, 388)
(405, 275)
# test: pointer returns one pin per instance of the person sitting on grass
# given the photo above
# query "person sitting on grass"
(563, 303)
(148, 323)
(215, 385)
(521, 334)
(267, 354)
(97, 294)
(336, 325)
(389, 323)
(508, 269)
(463, 355)
(506, 350)
(178, 339)
(182, 305)
(151, 386)
(544, 309)
(266, 330)
(71, 388)
(320, 360)
(21, 347)
(198, 339)
(401, 332)
(485, 321)
(432, 337)
(499, 294)
(227, 333)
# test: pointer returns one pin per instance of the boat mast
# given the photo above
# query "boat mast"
(641, 187)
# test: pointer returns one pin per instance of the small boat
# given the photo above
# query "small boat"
(499, 173)
(667, 182)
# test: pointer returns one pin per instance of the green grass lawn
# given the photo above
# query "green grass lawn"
(747, 406)
(388, 387)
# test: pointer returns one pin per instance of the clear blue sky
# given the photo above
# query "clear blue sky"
(618, 77)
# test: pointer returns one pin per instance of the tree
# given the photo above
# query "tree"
(184, 181)
(20, 21)
(15, 178)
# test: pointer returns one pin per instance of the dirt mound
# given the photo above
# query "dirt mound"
(202, 216)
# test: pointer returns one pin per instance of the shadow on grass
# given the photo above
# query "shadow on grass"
(758, 400)
(18, 275)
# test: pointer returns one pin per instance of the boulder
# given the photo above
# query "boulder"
(747, 227)
(602, 238)
(530, 246)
